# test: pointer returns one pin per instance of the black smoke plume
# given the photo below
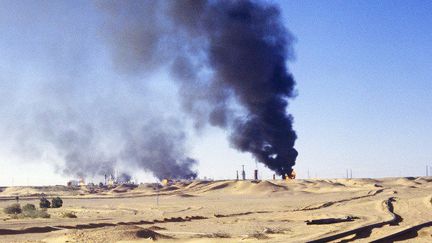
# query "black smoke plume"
(124, 178)
(229, 59)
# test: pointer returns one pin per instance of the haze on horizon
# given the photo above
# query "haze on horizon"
(363, 74)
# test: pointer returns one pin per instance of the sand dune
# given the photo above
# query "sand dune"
(313, 210)
(38, 191)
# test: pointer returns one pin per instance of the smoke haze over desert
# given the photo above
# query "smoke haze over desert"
(215, 121)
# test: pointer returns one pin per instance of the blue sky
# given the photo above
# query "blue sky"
(363, 71)
(364, 76)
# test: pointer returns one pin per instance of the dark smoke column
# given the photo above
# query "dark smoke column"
(247, 49)
(229, 59)
(254, 66)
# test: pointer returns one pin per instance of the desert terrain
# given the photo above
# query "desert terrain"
(312, 210)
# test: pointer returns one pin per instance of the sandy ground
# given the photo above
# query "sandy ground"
(337, 210)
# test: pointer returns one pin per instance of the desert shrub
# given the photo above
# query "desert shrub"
(36, 214)
(221, 235)
(28, 207)
(68, 215)
(57, 202)
(274, 231)
(44, 203)
(15, 216)
(257, 235)
(215, 235)
(30, 211)
(13, 209)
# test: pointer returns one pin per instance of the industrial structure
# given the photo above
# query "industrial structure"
(290, 176)
(243, 173)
